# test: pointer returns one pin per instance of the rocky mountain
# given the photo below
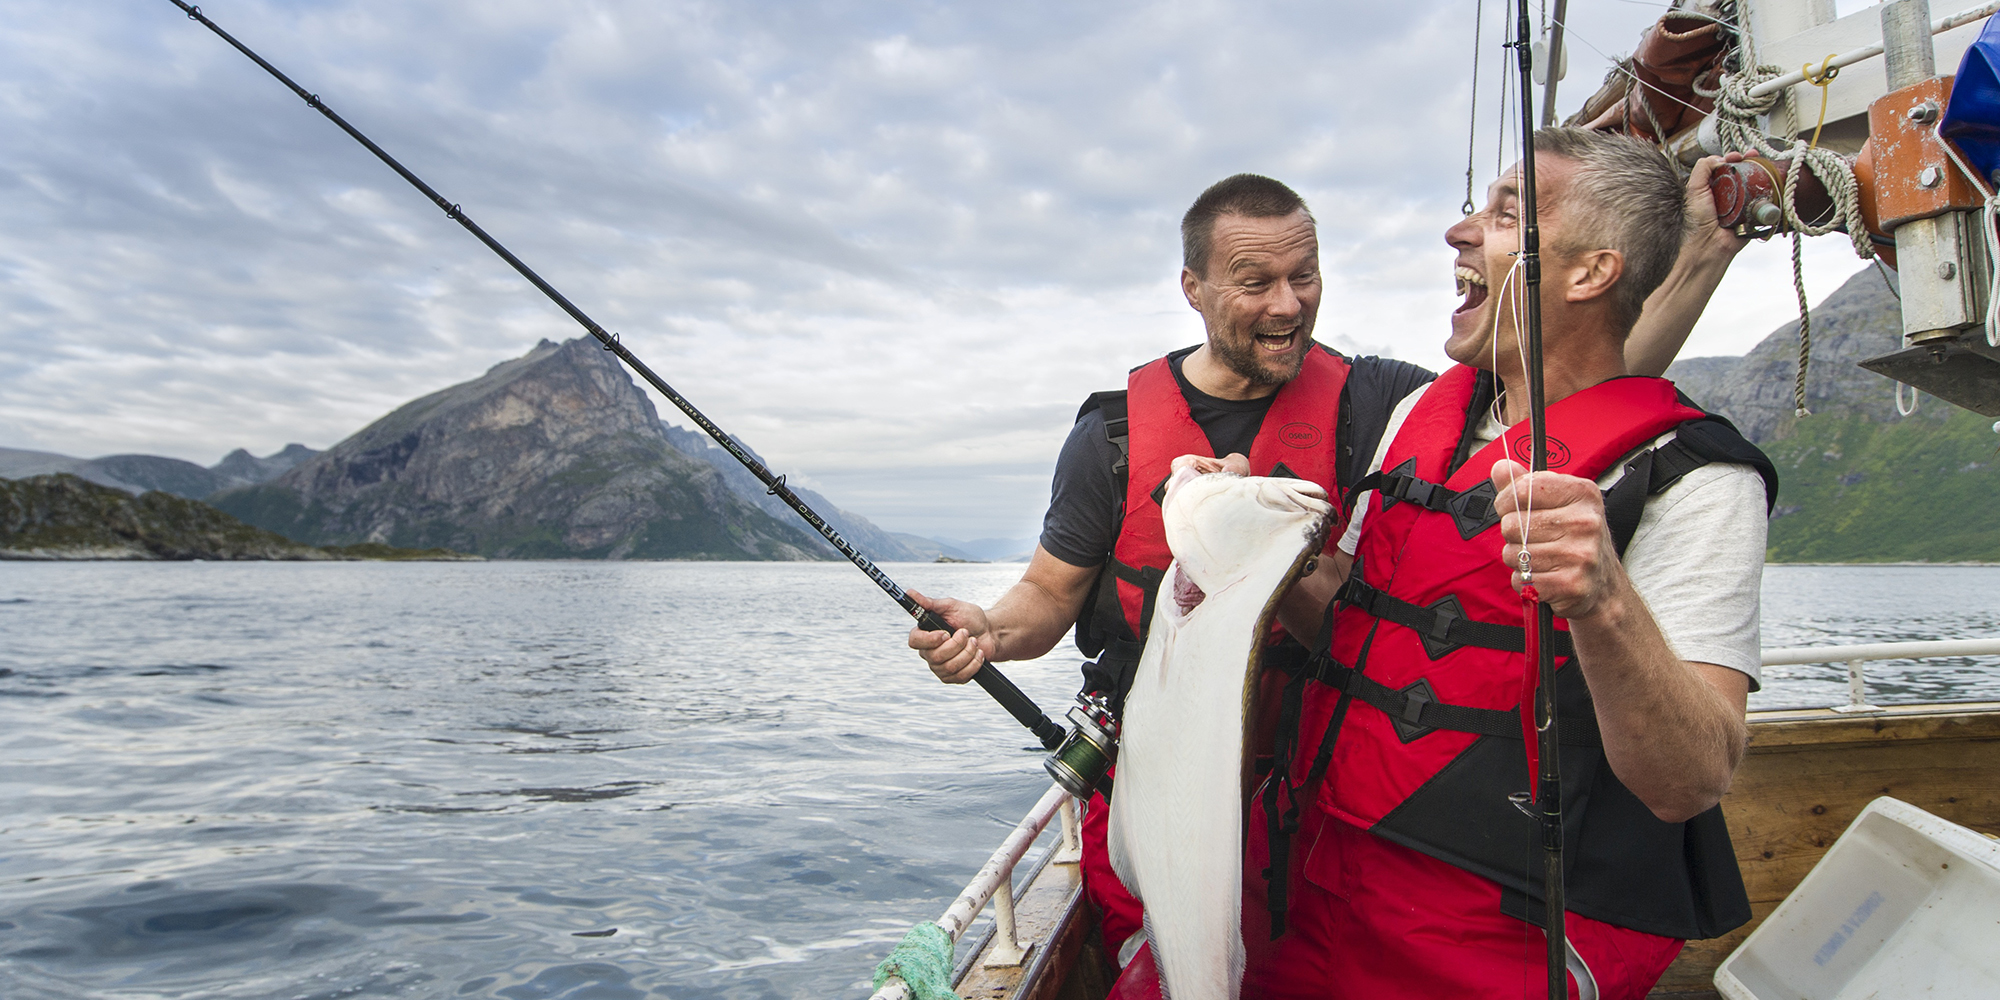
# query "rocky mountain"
(876, 544)
(556, 454)
(63, 516)
(240, 468)
(1861, 319)
(138, 473)
(1858, 482)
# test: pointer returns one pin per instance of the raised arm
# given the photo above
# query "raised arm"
(1673, 308)
(1024, 623)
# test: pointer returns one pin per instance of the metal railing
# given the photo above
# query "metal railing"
(1938, 27)
(995, 882)
(1856, 655)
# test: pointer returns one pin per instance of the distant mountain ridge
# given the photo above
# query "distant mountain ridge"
(555, 454)
(612, 402)
(138, 473)
(873, 542)
(1860, 319)
(1857, 481)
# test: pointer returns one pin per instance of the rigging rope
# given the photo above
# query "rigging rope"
(1472, 127)
(1736, 114)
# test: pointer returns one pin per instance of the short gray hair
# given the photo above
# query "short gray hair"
(1624, 196)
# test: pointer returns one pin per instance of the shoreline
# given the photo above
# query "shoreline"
(1927, 565)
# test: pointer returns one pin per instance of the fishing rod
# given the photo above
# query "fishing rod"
(1549, 779)
(993, 681)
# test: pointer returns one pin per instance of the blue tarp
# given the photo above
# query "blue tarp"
(1972, 117)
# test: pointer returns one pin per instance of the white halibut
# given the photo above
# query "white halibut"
(1177, 826)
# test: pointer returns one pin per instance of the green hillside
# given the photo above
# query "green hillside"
(1857, 481)
(1914, 490)
(64, 517)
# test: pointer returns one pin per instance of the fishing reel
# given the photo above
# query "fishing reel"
(1080, 765)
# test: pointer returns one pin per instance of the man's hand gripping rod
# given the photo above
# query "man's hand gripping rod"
(996, 684)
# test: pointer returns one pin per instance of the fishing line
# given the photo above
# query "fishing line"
(995, 683)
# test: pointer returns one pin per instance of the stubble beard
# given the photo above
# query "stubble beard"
(1245, 361)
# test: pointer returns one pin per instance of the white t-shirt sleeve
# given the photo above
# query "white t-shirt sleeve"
(1350, 541)
(1697, 559)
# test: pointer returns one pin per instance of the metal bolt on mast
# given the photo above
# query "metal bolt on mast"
(992, 680)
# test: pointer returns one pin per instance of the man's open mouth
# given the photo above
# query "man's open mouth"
(1279, 342)
(1472, 285)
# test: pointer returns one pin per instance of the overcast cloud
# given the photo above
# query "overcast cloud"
(891, 244)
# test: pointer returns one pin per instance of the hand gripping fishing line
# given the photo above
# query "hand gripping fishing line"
(993, 681)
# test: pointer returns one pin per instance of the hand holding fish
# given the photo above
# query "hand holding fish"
(954, 658)
(1570, 552)
(1234, 463)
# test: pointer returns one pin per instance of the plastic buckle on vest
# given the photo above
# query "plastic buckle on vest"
(1409, 722)
(1437, 639)
(1473, 510)
(1396, 484)
(1417, 491)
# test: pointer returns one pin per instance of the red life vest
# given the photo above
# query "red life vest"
(1424, 688)
(1296, 439)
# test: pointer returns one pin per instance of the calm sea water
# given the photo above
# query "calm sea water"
(561, 780)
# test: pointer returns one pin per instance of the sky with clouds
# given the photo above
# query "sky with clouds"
(891, 244)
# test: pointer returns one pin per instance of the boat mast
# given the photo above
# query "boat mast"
(1555, 63)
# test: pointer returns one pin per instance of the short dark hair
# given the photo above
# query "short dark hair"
(1252, 195)
(1624, 196)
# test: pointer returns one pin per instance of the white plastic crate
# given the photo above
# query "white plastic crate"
(1903, 905)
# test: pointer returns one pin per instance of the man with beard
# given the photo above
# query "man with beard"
(1258, 394)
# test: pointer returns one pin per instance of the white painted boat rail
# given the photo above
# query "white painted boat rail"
(1860, 653)
(995, 882)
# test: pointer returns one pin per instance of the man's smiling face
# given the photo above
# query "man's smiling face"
(1261, 295)
(1486, 242)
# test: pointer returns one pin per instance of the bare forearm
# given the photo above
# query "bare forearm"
(1670, 734)
(1028, 621)
(1673, 309)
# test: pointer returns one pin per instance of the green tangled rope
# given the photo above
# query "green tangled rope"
(923, 960)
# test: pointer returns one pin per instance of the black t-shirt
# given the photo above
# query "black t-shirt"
(1082, 522)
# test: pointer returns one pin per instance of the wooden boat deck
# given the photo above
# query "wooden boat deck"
(1807, 775)
(1809, 772)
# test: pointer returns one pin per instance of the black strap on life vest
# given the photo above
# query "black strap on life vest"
(1472, 509)
(1443, 626)
(1101, 622)
(1282, 824)
(1416, 712)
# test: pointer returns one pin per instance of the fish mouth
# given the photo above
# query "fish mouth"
(1471, 285)
(1187, 596)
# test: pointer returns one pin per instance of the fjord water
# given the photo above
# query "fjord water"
(593, 781)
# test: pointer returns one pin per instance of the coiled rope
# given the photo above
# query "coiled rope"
(1736, 116)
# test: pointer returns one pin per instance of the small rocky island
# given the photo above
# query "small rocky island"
(64, 517)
